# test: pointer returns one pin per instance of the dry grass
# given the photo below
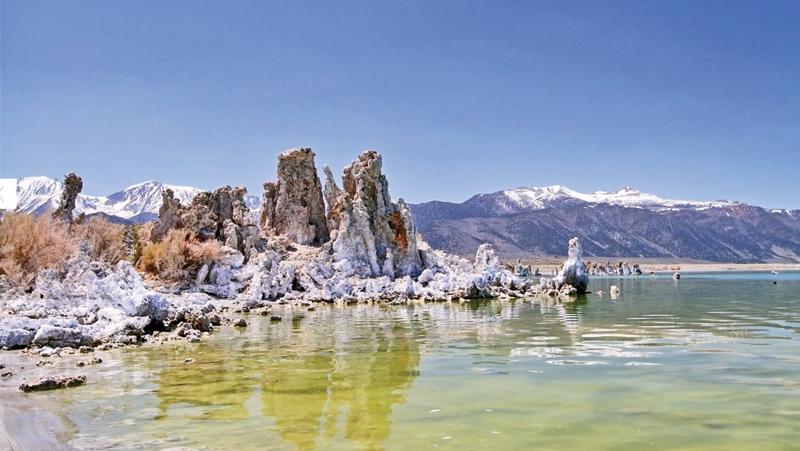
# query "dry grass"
(167, 258)
(106, 240)
(177, 256)
(29, 244)
(204, 252)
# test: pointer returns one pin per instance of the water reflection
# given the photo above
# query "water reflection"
(540, 374)
(316, 383)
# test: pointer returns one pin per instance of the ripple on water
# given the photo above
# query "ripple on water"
(576, 362)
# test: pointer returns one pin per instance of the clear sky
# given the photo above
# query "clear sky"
(685, 99)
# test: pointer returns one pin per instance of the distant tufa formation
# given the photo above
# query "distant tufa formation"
(220, 215)
(72, 187)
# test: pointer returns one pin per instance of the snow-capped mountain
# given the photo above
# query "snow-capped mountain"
(136, 203)
(524, 222)
(537, 198)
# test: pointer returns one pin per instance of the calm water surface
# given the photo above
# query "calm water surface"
(708, 362)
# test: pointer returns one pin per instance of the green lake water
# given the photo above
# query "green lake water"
(708, 362)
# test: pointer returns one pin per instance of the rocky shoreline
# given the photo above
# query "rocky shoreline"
(359, 247)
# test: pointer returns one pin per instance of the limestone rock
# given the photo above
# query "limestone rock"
(371, 228)
(294, 206)
(574, 271)
(72, 187)
(168, 216)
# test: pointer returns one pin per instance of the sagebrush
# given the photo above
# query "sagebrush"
(29, 244)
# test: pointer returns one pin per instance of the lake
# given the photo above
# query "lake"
(711, 361)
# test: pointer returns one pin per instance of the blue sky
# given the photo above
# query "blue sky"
(686, 99)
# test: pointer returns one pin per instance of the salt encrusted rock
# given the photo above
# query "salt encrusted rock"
(72, 187)
(332, 193)
(372, 229)
(53, 382)
(574, 271)
(294, 206)
(89, 304)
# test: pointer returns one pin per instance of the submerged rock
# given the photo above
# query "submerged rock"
(53, 382)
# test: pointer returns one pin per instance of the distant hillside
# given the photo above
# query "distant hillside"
(134, 204)
(538, 221)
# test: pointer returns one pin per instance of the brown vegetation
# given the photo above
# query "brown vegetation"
(29, 244)
(177, 255)
(105, 240)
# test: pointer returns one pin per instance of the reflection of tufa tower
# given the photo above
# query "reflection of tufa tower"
(318, 386)
(313, 388)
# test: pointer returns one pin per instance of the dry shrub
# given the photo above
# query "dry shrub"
(140, 236)
(201, 253)
(178, 255)
(106, 240)
(29, 244)
(143, 231)
(167, 258)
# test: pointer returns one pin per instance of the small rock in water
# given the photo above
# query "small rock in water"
(93, 361)
(193, 336)
(275, 318)
(188, 360)
(53, 382)
(240, 323)
(7, 374)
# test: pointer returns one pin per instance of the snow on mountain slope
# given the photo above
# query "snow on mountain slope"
(141, 198)
(137, 202)
(533, 198)
(36, 194)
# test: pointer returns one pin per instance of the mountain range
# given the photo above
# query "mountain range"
(528, 221)
(134, 204)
